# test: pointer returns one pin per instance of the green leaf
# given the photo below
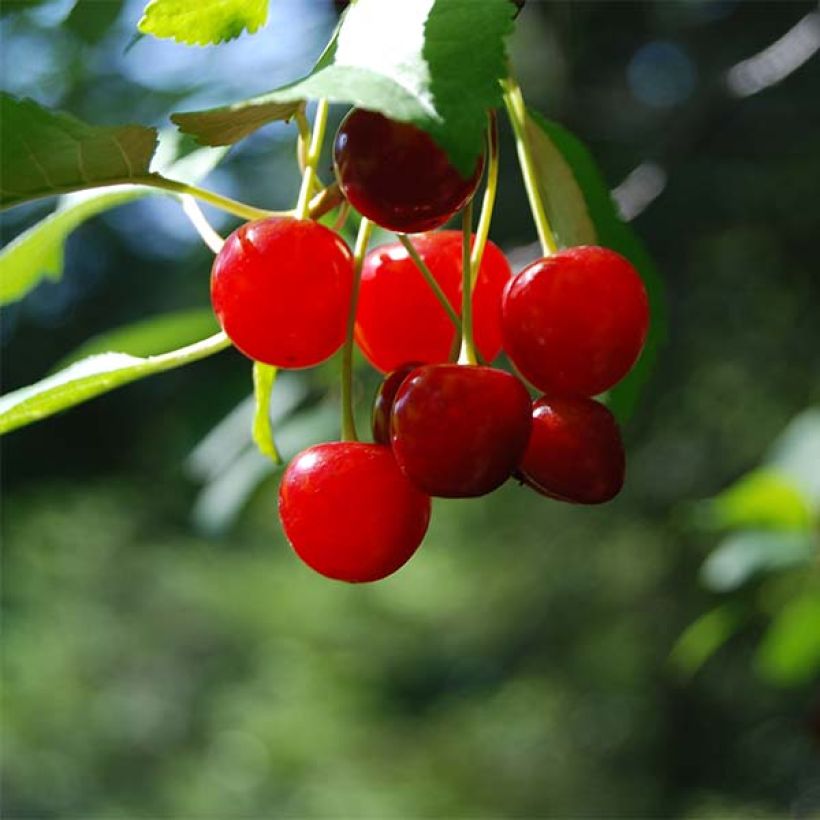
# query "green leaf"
(149, 337)
(43, 153)
(91, 377)
(789, 654)
(203, 22)
(434, 63)
(702, 638)
(264, 377)
(746, 554)
(231, 123)
(38, 252)
(581, 210)
(796, 453)
(764, 499)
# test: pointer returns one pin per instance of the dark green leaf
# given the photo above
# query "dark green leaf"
(43, 153)
(743, 555)
(580, 207)
(231, 123)
(203, 22)
(91, 377)
(789, 654)
(434, 63)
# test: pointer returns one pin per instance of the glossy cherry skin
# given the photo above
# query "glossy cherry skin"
(575, 322)
(399, 319)
(575, 451)
(394, 174)
(383, 402)
(349, 513)
(281, 290)
(459, 431)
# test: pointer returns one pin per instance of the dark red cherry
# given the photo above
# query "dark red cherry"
(399, 319)
(575, 451)
(459, 431)
(394, 174)
(575, 322)
(383, 402)
(348, 511)
(281, 289)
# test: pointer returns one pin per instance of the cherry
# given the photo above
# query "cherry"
(349, 513)
(575, 322)
(383, 402)
(399, 319)
(459, 431)
(394, 174)
(575, 451)
(281, 290)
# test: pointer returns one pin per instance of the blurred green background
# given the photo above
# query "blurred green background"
(164, 653)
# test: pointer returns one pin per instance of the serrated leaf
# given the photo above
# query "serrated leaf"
(37, 253)
(149, 337)
(44, 153)
(743, 555)
(789, 654)
(231, 123)
(264, 377)
(581, 210)
(203, 22)
(763, 498)
(434, 63)
(92, 377)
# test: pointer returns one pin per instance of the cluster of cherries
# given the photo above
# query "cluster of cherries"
(572, 324)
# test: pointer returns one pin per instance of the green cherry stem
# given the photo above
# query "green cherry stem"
(303, 141)
(517, 111)
(431, 281)
(224, 203)
(468, 353)
(204, 228)
(488, 202)
(359, 250)
(312, 160)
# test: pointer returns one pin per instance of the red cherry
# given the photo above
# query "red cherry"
(399, 319)
(281, 290)
(348, 511)
(575, 322)
(459, 431)
(383, 402)
(394, 174)
(575, 451)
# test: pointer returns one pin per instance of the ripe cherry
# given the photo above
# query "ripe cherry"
(394, 174)
(281, 290)
(399, 319)
(349, 513)
(575, 451)
(574, 323)
(459, 431)
(383, 402)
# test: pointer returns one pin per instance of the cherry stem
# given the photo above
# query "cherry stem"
(359, 250)
(517, 112)
(341, 217)
(204, 228)
(488, 202)
(431, 281)
(468, 354)
(303, 140)
(224, 203)
(312, 160)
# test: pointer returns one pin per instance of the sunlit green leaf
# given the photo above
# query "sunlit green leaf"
(203, 22)
(796, 454)
(44, 153)
(789, 653)
(264, 377)
(763, 498)
(581, 210)
(702, 638)
(37, 253)
(744, 554)
(435, 63)
(91, 377)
